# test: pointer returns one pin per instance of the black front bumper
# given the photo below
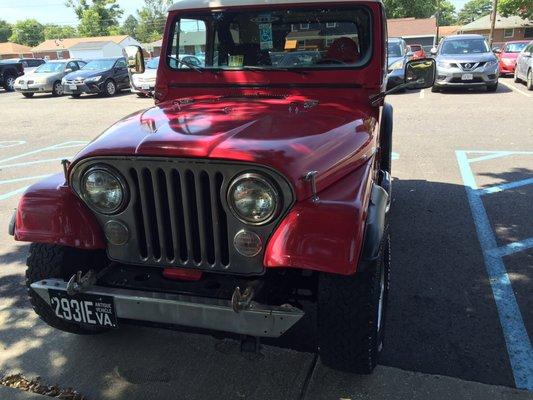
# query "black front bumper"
(92, 87)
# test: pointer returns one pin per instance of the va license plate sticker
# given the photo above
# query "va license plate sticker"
(265, 35)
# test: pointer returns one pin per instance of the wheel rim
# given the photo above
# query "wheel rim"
(110, 88)
(10, 83)
(59, 88)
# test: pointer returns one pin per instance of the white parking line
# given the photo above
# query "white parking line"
(513, 87)
(422, 93)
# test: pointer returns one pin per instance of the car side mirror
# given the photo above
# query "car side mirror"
(135, 58)
(433, 51)
(68, 70)
(420, 74)
(497, 51)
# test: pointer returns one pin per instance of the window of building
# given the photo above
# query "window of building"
(59, 55)
(508, 33)
(301, 44)
(304, 26)
(528, 33)
(331, 24)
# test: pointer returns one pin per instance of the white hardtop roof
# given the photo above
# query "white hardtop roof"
(200, 4)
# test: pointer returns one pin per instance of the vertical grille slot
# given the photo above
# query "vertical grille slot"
(163, 216)
(149, 212)
(222, 221)
(137, 209)
(192, 212)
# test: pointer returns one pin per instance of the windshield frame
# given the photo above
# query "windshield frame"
(187, 14)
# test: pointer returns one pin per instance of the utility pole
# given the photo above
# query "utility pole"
(493, 21)
(437, 20)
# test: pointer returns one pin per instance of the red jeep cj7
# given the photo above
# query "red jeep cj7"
(260, 180)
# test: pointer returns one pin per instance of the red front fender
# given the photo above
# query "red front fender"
(327, 235)
(49, 212)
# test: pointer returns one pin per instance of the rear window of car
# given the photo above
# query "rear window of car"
(514, 47)
(415, 47)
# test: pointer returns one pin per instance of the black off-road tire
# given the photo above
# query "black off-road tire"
(28, 95)
(492, 88)
(9, 82)
(348, 335)
(49, 261)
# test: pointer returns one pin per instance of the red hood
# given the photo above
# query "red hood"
(293, 135)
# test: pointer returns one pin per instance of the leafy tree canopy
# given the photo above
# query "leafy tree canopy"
(104, 12)
(522, 8)
(5, 30)
(53, 31)
(422, 9)
(28, 32)
(152, 18)
(474, 9)
(130, 26)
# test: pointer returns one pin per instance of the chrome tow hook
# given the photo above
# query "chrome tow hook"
(242, 300)
(79, 283)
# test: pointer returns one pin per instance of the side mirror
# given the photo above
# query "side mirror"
(433, 51)
(68, 70)
(496, 50)
(420, 74)
(135, 58)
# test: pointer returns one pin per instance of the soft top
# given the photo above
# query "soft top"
(201, 4)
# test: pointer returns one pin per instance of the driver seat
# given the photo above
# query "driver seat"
(343, 49)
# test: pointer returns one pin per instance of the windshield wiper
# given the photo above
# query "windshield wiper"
(187, 64)
(257, 68)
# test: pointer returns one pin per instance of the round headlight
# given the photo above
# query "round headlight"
(253, 199)
(103, 190)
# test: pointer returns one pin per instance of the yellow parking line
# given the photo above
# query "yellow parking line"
(513, 87)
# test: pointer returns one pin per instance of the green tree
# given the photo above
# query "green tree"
(28, 32)
(522, 8)
(130, 26)
(474, 9)
(410, 8)
(105, 12)
(152, 19)
(5, 30)
(447, 15)
(53, 31)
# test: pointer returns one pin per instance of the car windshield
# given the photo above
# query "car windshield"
(251, 39)
(464, 46)
(153, 63)
(50, 67)
(394, 49)
(96, 65)
(514, 47)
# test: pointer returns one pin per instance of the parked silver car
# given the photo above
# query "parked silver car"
(47, 78)
(466, 61)
(524, 66)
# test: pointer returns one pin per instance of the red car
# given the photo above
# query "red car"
(418, 51)
(248, 190)
(508, 54)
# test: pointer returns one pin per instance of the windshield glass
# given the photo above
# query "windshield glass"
(153, 63)
(464, 46)
(320, 38)
(96, 65)
(394, 50)
(514, 47)
(50, 67)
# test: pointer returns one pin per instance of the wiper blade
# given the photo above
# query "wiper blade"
(187, 64)
(256, 68)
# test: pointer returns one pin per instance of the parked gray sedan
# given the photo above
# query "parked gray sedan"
(524, 66)
(47, 78)
(466, 61)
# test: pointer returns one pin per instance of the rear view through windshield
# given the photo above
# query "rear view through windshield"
(321, 38)
(464, 46)
(514, 47)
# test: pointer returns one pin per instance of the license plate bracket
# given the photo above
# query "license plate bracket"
(83, 308)
(73, 87)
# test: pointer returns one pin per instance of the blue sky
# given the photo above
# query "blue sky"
(55, 11)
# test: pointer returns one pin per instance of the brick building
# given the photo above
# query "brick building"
(421, 31)
(14, 50)
(505, 30)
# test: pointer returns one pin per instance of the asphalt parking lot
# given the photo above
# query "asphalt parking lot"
(461, 307)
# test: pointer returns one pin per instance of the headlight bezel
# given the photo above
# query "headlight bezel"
(263, 179)
(117, 176)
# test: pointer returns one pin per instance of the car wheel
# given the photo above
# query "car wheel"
(492, 88)
(28, 95)
(9, 83)
(75, 95)
(110, 88)
(529, 80)
(49, 261)
(57, 90)
(351, 315)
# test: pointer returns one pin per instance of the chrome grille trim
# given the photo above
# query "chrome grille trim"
(178, 215)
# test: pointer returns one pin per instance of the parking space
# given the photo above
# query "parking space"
(462, 254)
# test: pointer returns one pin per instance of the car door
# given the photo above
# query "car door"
(522, 60)
(121, 74)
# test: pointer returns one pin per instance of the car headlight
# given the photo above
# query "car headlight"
(397, 65)
(492, 63)
(103, 189)
(93, 79)
(253, 199)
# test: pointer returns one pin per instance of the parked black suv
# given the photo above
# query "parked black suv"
(104, 76)
(9, 72)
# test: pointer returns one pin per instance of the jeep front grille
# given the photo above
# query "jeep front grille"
(177, 212)
(179, 218)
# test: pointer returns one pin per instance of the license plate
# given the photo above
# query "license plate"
(24, 86)
(87, 309)
(72, 87)
(467, 77)
(145, 87)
